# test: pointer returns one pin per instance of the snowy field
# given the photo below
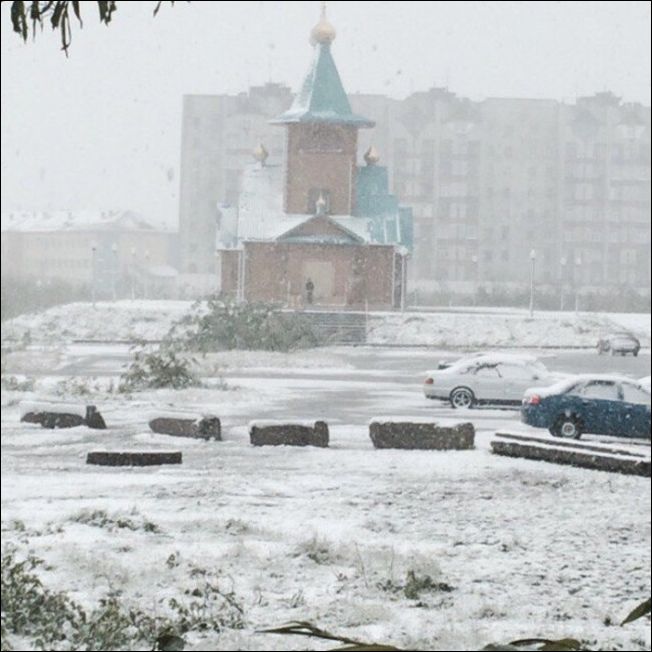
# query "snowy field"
(463, 327)
(514, 548)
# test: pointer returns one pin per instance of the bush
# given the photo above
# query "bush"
(227, 325)
(51, 620)
(158, 369)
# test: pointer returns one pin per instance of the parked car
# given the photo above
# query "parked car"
(488, 379)
(601, 405)
(619, 343)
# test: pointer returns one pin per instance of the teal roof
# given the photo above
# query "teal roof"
(322, 97)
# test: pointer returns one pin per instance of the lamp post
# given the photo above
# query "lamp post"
(146, 275)
(474, 260)
(93, 270)
(562, 276)
(114, 249)
(533, 260)
(132, 272)
(578, 265)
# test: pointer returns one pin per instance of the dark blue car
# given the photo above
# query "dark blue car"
(601, 405)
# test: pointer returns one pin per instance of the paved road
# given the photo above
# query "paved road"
(402, 365)
(362, 383)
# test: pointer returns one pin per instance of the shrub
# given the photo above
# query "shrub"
(157, 369)
(51, 620)
(226, 325)
(16, 384)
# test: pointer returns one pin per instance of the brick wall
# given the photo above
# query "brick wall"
(343, 275)
(320, 156)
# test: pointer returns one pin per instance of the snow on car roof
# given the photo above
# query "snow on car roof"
(564, 385)
(491, 359)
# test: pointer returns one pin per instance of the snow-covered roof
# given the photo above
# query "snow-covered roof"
(261, 215)
(81, 220)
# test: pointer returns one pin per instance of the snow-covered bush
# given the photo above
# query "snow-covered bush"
(163, 367)
(17, 384)
(224, 325)
(52, 620)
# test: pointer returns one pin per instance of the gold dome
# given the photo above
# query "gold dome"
(371, 156)
(260, 153)
(323, 32)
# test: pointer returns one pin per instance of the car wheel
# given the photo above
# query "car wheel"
(567, 428)
(635, 354)
(462, 397)
(613, 351)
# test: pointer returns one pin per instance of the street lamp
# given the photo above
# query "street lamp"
(578, 264)
(132, 272)
(114, 249)
(562, 276)
(533, 259)
(474, 260)
(146, 275)
(93, 270)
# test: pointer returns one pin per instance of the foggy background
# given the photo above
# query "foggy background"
(101, 129)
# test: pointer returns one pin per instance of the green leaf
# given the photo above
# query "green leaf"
(75, 8)
(18, 18)
(640, 611)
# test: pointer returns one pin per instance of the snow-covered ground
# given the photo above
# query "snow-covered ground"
(325, 535)
(503, 328)
(151, 320)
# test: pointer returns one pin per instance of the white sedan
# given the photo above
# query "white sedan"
(495, 379)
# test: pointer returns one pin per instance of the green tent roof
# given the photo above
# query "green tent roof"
(322, 97)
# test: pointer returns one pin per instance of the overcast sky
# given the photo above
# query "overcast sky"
(102, 128)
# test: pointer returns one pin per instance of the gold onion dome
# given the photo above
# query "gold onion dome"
(323, 32)
(260, 153)
(371, 156)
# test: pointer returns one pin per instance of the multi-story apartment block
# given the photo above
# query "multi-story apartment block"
(489, 182)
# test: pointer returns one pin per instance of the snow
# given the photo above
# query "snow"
(58, 408)
(77, 220)
(179, 414)
(269, 423)
(509, 328)
(448, 423)
(151, 320)
(566, 383)
(531, 549)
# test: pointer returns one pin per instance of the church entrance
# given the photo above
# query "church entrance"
(322, 275)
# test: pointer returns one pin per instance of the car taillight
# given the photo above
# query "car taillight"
(534, 399)
(428, 381)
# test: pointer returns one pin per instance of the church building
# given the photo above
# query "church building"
(320, 229)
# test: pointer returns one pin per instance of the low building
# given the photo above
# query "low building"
(109, 252)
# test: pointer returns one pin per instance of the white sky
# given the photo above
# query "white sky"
(102, 128)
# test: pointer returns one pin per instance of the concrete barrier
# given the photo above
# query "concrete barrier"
(277, 433)
(133, 458)
(421, 435)
(206, 427)
(62, 415)
(588, 456)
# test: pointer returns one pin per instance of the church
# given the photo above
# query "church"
(319, 229)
